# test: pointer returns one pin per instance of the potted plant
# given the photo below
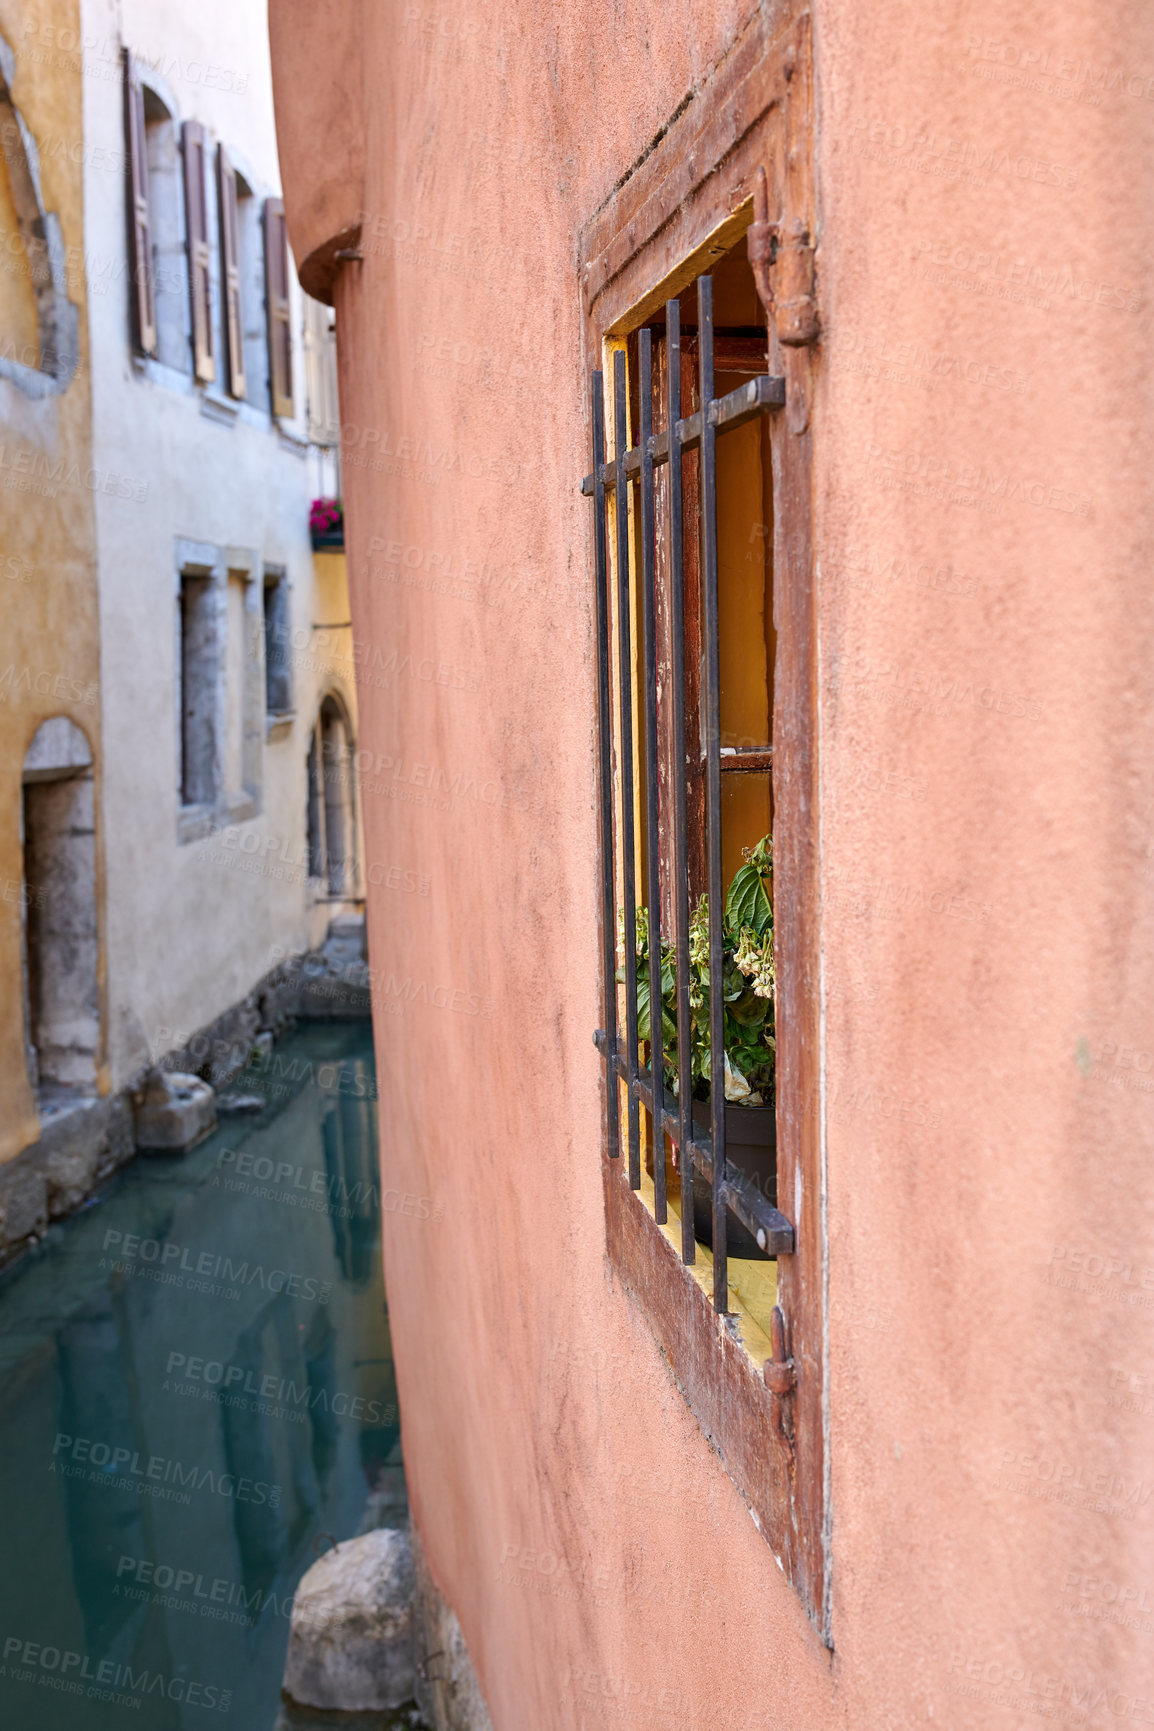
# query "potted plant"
(326, 524)
(749, 1033)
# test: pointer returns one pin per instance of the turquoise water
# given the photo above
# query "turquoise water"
(196, 1398)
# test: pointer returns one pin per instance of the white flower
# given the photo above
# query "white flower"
(736, 1086)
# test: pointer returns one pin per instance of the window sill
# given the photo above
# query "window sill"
(279, 724)
(239, 807)
(159, 373)
(716, 1361)
(223, 411)
(194, 823)
(752, 1285)
(290, 440)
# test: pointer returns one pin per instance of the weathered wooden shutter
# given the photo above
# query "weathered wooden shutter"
(142, 303)
(230, 273)
(199, 256)
(276, 276)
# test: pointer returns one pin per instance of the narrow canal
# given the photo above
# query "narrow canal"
(196, 1399)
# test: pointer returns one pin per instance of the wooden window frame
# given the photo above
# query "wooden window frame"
(277, 276)
(687, 202)
(232, 311)
(142, 301)
(195, 148)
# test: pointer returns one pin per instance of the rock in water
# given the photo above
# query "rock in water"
(350, 1644)
(237, 1103)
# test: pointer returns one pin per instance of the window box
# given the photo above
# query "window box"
(327, 525)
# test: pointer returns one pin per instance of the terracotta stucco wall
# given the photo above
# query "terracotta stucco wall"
(982, 447)
(50, 660)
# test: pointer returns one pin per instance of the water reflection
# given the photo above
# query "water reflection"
(196, 1382)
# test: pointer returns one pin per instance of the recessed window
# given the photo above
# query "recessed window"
(321, 373)
(697, 278)
(315, 821)
(199, 663)
(277, 659)
(168, 263)
(236, 657)
(58, 907)
(330, 816)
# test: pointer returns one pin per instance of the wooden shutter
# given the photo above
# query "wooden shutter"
(276, 276)
(142, 303)
(199, 256)
(230, 273)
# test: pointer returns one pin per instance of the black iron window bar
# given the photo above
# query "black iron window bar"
(672, 1115)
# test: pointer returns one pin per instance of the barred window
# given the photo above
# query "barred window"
(698, 277)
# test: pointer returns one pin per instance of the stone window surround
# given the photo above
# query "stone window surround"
(217, 564)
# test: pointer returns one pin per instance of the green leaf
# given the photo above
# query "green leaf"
(643, 1006)
(749, 1008)
(747, 903)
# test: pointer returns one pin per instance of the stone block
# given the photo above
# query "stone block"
(172, 1112)
(23, 1204)
(82, 1148)
(350, 1642)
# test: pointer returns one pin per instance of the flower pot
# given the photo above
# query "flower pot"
(328, 540)
(750, 1146)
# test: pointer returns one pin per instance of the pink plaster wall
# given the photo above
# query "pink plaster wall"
(983, 453)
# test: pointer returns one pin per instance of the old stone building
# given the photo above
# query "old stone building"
(752, 408)
(179, 693)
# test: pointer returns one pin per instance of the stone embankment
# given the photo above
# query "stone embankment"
(84, 1143)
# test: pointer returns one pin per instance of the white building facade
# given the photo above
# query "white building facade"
(227, 678)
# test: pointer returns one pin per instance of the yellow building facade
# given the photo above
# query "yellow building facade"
(52, 974)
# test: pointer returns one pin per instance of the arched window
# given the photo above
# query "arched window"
(62, 1001)
(331, 821)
